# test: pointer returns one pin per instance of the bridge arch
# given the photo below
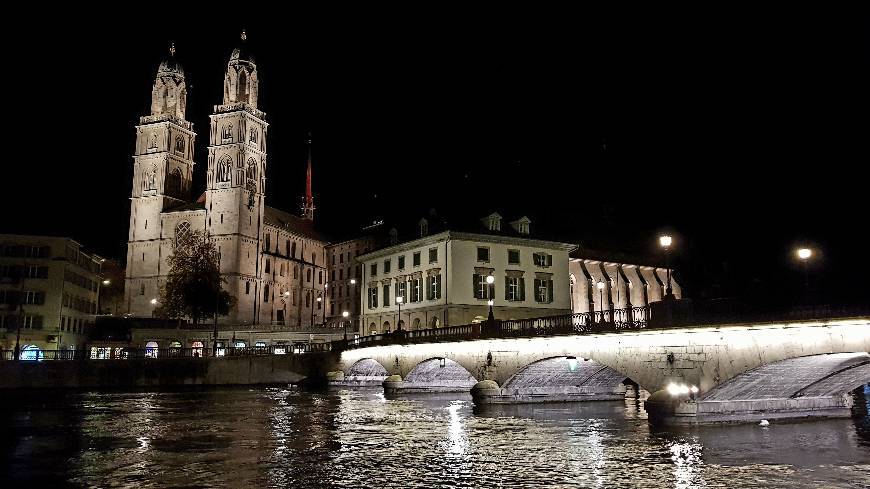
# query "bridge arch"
(439, 374)
(567, 371)
(824, 375)
(365, 371)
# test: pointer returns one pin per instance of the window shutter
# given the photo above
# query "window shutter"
(507, 289)
(491, 291)
(549, 291)
(522, 289)
(476, 286)
(438, 293)
(550, 261)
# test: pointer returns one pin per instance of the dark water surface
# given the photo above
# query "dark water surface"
(267, 437)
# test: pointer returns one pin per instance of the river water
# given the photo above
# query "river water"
(269, 437)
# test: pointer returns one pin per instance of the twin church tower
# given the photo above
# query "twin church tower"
(274, 262)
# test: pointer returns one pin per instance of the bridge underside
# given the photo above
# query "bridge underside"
(559, 379)
(810, 386)
(433, 375)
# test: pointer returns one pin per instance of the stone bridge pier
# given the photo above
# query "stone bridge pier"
(600, 366)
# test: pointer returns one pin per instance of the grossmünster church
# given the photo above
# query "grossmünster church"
(274, 262)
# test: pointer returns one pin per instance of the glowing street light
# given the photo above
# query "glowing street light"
(153, 302)
(665, 242)
(804, 255)
(399, 301)
(344, 315)
(489, 281)
(353, 281)
(107, 282)
(600, 286)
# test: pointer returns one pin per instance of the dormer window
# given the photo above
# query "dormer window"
(492, 222)
(521, 225)
(424, 227)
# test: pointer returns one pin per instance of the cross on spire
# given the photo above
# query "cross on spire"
(172, 48)
(244, 35)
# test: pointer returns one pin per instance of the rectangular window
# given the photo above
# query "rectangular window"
(386, 295)
(402, 262)
(514, 289)
(482, 290)
(543, 291)
(513, 257)
(433, 255)
(434, 287)
(417, 259)
(483, 254)
(417, 290)
(247, 287)
(340, 257)
(267, 266)
(340, 274)
(543, 260)
(373, 297)
(332, 275)
(386, 266)
(374, 270)
(402, 289)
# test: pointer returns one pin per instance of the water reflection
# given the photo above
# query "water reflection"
(353, 438)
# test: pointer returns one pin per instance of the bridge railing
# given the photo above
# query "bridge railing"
(123, 353)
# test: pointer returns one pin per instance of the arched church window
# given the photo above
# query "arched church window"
(149, 181)
(224, 170)
(293, 253)
(243, 87)
(253, 135)
(251, 172)
(181, 230)
(179, 144)
(174, 183)
(227, 132)
(152, 143)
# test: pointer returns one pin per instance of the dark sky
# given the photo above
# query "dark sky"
(744, 133)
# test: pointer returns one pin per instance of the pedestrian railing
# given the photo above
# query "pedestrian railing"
(123, 353)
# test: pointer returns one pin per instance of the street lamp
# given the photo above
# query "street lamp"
(665, 242)
(804, 255)
(353, 281)
(600, 286)
(107, 282)
(345, 314)
(319, 299)
(399, 301)
(489, 281)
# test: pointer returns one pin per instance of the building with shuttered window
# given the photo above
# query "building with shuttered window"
(442, 277)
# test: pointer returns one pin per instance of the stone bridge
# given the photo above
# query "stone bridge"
(715, 367)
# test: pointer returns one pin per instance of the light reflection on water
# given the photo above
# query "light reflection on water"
(268, 437)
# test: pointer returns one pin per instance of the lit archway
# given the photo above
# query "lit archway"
(31, 353)
(151, 349)
(196, 348)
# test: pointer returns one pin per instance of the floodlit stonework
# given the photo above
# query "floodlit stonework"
(274, 262)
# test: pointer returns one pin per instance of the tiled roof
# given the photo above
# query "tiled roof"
(285, 220)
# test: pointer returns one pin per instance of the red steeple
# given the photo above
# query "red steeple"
(308, 205)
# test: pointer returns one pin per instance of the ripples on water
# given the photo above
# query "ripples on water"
(268, 437)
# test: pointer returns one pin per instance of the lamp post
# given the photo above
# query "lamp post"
(489, 281)
(665, 242)
(153, 306)
(344, 315)
(600, 286)
(804, 255)
(318, 300)
(399, 301)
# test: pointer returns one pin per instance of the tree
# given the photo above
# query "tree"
(193, 286)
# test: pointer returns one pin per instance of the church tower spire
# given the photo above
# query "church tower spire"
(308, 204)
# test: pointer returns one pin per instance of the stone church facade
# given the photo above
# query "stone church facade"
(274, 262)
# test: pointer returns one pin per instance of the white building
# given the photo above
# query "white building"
(442, 277)
(60, 286)
(274, 262)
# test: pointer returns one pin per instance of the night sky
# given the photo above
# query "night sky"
(743, 133)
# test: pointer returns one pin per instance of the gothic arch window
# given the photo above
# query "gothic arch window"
(293, 250)
(181, 230)
(225, 168)
(251, 172)
(179, 144)
(227, 132)
(243, 87)
(149, 181)
(253, 137)
(152, 143)
(174, 183)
